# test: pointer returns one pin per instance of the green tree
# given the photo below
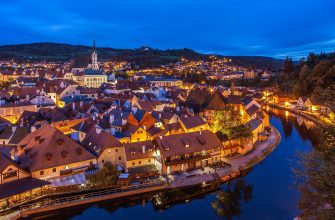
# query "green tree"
(105, 177)
(229, 123)
(303, 85)
(288, 66)
(226, 119)
(229, 200)
(316, 179)
(5, 84)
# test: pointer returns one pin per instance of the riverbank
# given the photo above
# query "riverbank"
(238, 165)
(260, 152)
(297, 112)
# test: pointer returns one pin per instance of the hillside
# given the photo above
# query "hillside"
(143, 56)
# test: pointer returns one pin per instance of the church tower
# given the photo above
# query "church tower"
(94, 58)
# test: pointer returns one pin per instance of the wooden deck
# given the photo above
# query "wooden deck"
(56, 204)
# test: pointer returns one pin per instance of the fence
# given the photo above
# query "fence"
(51, 202)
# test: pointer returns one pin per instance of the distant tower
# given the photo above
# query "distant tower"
(94, 58)
(232, 87)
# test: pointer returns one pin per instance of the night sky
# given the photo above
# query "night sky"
(229, 27)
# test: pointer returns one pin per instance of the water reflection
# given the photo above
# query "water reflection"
(315, 175)
(307, 130)
(228, 202)
(266, 192)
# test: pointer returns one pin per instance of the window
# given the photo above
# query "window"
(103, 161)
(10, 174)
(133, 163)
(54, 170)
(119, 158)
(116, 150)
(149, 161)
(42, 172)
(139, 162)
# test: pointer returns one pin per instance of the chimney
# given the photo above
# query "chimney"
(143, 149)
(113, 131)
(159, 115)
(178, 108)
(32, 129)
(232, 87)
(73, 106)
(98, 130)
(161, 137)
(14, 155)
(134, 109)
(13, 129)
(111, 119)
(124, 121)
(81, 104)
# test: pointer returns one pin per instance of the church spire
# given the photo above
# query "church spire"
(94, 48)
(94, 58)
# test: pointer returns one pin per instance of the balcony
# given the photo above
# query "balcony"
(189, 159)
(77, 170)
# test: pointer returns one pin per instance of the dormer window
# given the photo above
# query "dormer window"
(10, 174)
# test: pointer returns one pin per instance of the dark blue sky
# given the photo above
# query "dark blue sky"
(230, 27)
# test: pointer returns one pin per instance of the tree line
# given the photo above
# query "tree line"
(314, 77)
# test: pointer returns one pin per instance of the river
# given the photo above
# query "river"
(273, 193)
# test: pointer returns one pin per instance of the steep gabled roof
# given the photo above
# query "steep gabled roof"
(205, 99)
(186, 143)
(139, 150)
(98, 142)
(47, 147)
(192, 121)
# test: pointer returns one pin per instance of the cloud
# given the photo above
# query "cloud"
(240, 27)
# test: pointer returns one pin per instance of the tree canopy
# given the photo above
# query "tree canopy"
(229, 123)
(229, 200)
(105, 177)
(316, 179)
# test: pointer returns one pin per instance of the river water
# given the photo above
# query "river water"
(273, 195)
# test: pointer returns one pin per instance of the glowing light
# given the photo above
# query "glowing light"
(287, 104)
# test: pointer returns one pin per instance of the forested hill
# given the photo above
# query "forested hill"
(313, 78)
(144, 56)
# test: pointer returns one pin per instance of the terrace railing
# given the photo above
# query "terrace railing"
(52, 202)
